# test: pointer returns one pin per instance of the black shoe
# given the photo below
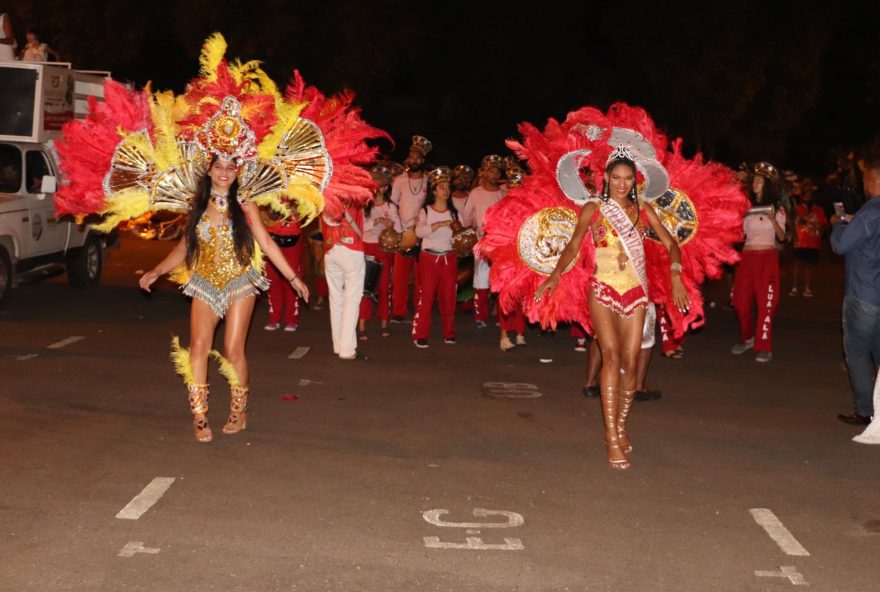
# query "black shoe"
(421, 343)
(591, 391)
(398, 320)
(648, 395)
(854, 419)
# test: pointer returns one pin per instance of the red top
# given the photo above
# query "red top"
(810, 223)
(289, 227)
(340, 232)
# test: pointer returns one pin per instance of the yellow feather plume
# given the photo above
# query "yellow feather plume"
(212, 54)
(179, 275)
(288, 115)
(309, 201)
(226, 369)
(258, 262)
(162, 112)
(182, 364)
(122, 206)
(273, 202)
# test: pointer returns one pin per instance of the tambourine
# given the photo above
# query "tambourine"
(463, 241)
(389, 240)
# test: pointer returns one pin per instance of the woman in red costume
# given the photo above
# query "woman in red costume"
(618, 289)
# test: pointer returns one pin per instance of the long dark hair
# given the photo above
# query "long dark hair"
(431, 199)
(770, 193)
(386, 197)
(241, 232)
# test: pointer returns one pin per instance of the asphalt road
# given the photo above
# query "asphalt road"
(373, 475)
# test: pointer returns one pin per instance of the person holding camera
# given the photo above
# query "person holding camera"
(757, 274)
(857, 238)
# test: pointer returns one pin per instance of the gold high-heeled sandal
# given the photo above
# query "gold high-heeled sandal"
(624, 406)
(610, 403)
(198, 404)
(237, 420)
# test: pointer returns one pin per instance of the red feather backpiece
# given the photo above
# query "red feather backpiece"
(717, 201)
(345, 134)
(87, 146)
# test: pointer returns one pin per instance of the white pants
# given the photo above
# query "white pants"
(481, 274)
(649, 329)
(344, 269)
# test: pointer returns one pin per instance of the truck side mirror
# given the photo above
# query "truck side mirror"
(49, 184)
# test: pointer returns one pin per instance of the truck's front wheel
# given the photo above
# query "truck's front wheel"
(85, 266)
(6, 273)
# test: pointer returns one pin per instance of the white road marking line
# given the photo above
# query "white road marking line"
(299, 352)
(65, 342)
(474, 544)
(785, 571)
(777, 531)
(134, 547)
(25, 357)
(143, 501)
(511, 390)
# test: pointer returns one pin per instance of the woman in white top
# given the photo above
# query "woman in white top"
(378, 216)
(438, 263)
(757, 274)
(35, 50)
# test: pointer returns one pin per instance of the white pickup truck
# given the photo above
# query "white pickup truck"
(35, 101)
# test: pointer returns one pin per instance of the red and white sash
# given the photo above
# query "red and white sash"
(630, 237)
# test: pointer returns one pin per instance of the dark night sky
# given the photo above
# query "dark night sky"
(790, 82)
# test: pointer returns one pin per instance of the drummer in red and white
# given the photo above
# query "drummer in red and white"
(438, 262)
(379, 215)
(408, 194)
(486, 194)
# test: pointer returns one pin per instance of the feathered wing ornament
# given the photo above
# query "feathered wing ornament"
(703, 210)
(345, 136)
(526, 231)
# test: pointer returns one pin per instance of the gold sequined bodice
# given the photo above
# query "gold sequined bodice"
(217, 262)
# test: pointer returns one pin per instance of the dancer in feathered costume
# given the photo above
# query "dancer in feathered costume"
(228, 144)
(536, 232)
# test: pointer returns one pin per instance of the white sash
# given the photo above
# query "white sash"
(630, 238)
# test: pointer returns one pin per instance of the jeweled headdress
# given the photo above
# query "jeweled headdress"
(442, 174)
(421, 144)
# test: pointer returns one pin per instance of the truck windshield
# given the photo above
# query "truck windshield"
(10, 168)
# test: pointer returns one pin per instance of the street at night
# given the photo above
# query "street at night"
(455, 468)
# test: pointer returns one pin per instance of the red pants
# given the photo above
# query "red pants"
(667, 336)
(437, 281)
(481, 305)
(577, 331)
(757, 279)
(402, 267)
(383, 290)
(283, 300)
(515, 320)
(321, 287)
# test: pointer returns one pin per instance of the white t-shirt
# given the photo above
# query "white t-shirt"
(409, 196)
(438, 240)
(373, 228)
(759, 230)
(479, 200)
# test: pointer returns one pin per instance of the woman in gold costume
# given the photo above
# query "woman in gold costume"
(618, 297)
(218, 251)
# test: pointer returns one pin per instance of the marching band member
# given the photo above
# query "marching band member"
(408, 194)
(378, 216)
(757, 274)
(486, 194)
(283, 300)
(462, 180)
(438, 264)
